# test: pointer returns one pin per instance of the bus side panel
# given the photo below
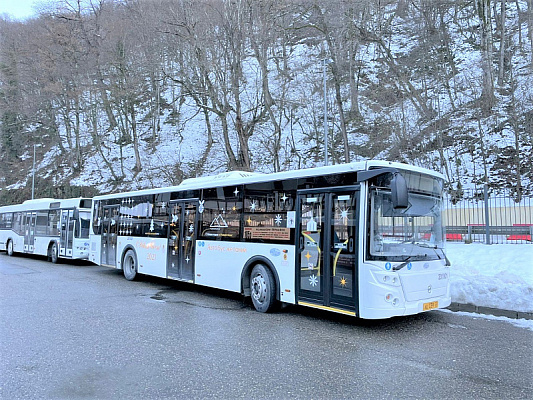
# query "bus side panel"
(95, 249)
(80, 249)
(151, 254)
(18, 243)
(4, 234)
(220, 264)
(41, 245)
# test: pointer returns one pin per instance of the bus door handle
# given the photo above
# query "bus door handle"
(301, 242)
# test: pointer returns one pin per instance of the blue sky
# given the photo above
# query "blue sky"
(18, 9)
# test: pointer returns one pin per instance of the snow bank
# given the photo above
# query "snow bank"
(499, 276)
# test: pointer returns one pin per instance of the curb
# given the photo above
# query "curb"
(490, 311)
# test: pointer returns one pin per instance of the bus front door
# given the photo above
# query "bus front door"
(327, 261)
(182, 239)
(67, 233)
(29, 232)
(109, 235)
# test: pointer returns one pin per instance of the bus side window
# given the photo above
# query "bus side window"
(17, 223)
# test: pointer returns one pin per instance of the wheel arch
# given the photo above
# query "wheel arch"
(51, 243)
(10, 239)
(247, 270)
(124, 251)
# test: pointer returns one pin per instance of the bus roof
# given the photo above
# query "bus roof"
(243, 177)
(49, 204)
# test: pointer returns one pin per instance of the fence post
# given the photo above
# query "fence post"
(487, 215)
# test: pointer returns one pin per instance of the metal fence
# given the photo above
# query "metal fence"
(481, 216)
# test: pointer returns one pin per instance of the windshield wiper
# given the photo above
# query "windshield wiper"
(425, 245)
(448, 263)
(400, 266)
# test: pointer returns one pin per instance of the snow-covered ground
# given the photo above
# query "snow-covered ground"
(498, 276)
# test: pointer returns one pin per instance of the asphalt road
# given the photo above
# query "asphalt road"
(82, 331)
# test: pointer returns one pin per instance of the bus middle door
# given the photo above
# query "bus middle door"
(182, 239)
(109, 235)
(67, 233)
(29, 232)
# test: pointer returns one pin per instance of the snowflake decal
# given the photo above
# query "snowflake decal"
(253, 206)
(278, 220)
(344, 214)
(313, 280)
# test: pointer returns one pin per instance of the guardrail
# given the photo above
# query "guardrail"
(498, 234)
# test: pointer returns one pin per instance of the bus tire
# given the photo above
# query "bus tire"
(9, 248)
(54, 253)
(129, 265)
(263, 288)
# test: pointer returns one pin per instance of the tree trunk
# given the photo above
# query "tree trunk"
(485, 15)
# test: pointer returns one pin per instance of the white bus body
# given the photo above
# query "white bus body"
(48, 227)
(345, 238)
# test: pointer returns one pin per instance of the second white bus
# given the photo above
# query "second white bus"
(48, 227)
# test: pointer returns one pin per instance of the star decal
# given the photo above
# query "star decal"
(343, 282)
(249, 220)
(236, 192)
(308, 256)
(284, 198)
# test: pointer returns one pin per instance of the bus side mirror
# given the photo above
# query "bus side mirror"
(400, 198)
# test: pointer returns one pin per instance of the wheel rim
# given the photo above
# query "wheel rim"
(259, 288)
(130, 265)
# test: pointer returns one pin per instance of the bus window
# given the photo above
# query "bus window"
(83, 224)
(42, 222)
(53, 222)
(17, 223)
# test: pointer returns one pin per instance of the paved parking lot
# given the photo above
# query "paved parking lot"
(82, 331)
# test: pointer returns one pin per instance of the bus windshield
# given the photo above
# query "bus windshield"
(414, 233)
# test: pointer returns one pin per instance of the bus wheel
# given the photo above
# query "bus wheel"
(10, 248)
(129, 265)
(54, 257)
(263, 288)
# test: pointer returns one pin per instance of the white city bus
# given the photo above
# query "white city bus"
(47, 227)
(363, 239)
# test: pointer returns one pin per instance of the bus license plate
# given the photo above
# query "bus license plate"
(430, 306)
